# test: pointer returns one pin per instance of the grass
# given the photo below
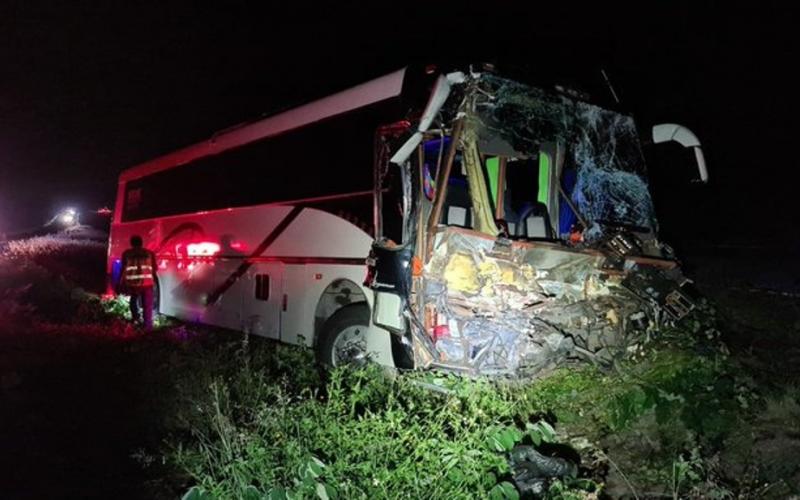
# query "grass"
(256, 432)
(223, 415)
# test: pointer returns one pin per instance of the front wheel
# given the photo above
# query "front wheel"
(343, 339)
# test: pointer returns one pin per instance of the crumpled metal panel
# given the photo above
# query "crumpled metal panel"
(496, 307)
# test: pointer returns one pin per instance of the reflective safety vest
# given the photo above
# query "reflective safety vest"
(138, 271)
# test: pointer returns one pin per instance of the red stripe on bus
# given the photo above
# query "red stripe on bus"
(311, 260)
(273, 258)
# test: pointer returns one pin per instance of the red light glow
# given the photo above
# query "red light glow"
(202, 249)
(239, 246)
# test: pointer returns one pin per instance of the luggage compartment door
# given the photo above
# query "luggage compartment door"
(262, 299)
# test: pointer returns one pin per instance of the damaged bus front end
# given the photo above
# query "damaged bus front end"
(515, 231)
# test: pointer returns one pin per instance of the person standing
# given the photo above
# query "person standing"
(138, 280)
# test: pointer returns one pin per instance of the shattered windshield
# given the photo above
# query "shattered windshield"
(603, 171)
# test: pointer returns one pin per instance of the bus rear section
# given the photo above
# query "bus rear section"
(265, 228)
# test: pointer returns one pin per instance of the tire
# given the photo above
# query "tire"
(352, 320)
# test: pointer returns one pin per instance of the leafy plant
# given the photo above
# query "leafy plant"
(683, 471)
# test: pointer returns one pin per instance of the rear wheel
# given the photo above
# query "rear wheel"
(343, 339)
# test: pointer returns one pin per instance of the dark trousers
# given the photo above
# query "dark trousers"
(145, 296)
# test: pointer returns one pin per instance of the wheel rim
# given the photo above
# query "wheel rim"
(350, 346)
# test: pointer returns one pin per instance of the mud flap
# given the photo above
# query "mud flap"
(390, 278)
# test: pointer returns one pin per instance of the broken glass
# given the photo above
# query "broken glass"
(602, 146)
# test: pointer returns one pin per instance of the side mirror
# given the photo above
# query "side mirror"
(667, 132)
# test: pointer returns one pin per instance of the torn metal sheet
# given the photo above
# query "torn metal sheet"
(527, 308)
(438, 98)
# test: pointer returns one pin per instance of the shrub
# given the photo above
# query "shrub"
(370, 437)
(425, 435)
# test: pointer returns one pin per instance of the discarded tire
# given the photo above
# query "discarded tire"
(532, 471)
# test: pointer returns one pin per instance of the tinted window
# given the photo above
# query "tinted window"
(327, 158)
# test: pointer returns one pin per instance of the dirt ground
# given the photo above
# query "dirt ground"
(73, 414)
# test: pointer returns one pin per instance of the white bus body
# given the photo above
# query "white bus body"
(314, 267)
(279, 268)
(462, 221)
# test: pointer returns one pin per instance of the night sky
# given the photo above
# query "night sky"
(88, 89)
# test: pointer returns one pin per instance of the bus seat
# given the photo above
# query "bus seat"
(534, 222)
(457, 209)
(458, 216)
(535, 227)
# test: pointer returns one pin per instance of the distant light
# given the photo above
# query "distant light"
(66, 217)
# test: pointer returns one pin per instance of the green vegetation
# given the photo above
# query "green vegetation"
(260, 433)
(229, 416)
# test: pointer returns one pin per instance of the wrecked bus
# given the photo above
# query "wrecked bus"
(508, 228)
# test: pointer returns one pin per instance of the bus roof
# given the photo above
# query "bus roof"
(373, 91)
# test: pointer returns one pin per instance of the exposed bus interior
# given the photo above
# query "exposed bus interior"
(519, 192)
(526, 233)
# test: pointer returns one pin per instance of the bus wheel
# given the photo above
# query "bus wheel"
(343, 339)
